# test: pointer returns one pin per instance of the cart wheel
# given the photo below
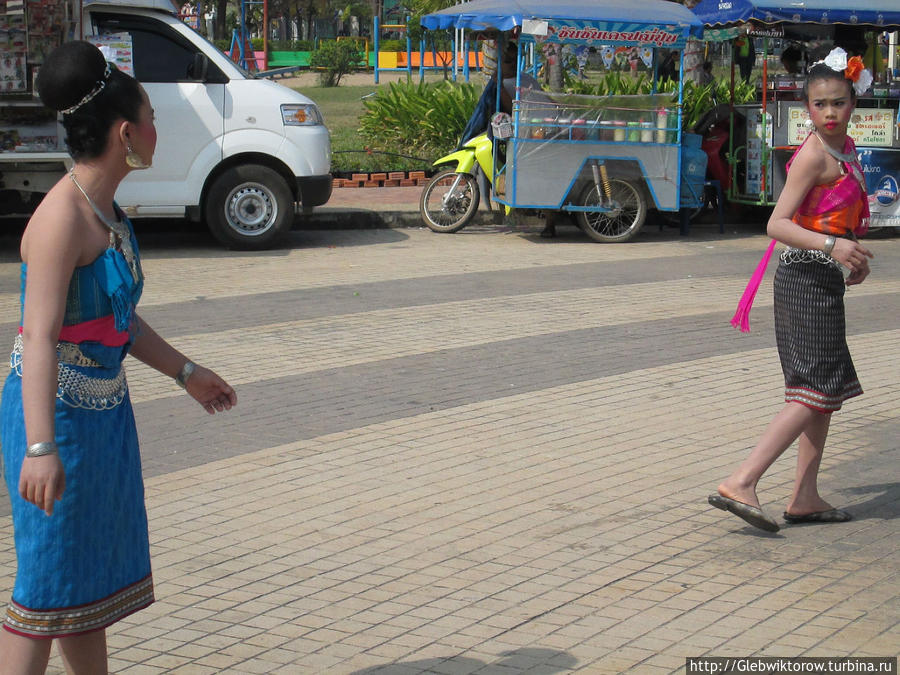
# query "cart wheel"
(444, 211)
(628, 209)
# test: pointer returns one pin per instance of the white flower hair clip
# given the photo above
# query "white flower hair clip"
(853, 69)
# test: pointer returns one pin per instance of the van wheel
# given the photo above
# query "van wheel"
(249, 207)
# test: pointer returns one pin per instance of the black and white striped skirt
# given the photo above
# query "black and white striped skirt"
(811, 333)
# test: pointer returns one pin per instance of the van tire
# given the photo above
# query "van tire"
(249, 207)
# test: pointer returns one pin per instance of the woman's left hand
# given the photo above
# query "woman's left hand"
(858, 274)
(210, 390)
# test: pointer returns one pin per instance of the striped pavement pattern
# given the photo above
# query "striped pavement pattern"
(490, 453)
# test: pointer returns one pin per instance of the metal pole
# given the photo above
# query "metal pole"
(465, 53)
(265, 34)
(377, 32)
(408, 52)
(763, 142)
(892, 52)
(243, 37)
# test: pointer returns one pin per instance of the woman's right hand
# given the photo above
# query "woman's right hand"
(42, 481)
(852, 255)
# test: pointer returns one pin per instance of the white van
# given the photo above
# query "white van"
(237, 152)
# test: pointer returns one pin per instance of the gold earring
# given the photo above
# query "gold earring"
(133, 159)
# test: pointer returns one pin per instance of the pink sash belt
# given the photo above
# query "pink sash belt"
(102, 330)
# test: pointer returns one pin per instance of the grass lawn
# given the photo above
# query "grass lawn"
(342, 107)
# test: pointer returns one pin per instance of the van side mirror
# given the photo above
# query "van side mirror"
(199, 68)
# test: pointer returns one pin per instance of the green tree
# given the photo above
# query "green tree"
(336, 58)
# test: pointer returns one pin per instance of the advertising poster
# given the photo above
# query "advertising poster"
(117, 49)
(755, 142)
(882, 172)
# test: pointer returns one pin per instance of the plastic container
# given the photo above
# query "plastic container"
(607, 131)
(634, 132)
(618, 130)
(537, 131)
(646, 132)
(551, 128)
(662, 121)
(579, 130)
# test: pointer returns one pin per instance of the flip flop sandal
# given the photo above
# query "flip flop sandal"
(829, 516)
(750, 514)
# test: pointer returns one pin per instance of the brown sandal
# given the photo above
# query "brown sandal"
(750, 514)
(829, 516)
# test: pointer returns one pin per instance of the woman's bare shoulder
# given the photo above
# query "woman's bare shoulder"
(55, 224)
(810, 158)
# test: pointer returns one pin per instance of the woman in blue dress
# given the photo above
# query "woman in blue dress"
(70, 449)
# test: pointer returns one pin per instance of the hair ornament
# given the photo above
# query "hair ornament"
(852, 68)
(93, 92)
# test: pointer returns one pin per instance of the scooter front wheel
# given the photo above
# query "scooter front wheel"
(449, 201)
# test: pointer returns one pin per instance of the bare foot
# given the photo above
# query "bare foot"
(740, 493)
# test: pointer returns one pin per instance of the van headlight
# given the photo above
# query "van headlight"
(300, 115)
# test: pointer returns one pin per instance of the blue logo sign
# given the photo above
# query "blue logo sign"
(887, 191)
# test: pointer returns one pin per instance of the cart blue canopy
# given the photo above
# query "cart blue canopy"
(884, 14)
(657, 23)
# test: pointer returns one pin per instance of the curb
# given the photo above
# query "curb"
(345, 218)
(381, 179)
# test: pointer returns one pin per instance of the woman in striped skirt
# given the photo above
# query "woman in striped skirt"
(821, 209)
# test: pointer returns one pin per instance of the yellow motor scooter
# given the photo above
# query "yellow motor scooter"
(450, 200)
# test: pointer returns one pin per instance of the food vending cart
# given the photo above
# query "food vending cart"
(775, 125)
(605, 159)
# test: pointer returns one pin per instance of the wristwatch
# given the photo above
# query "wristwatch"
(186, 371)
(829, 244)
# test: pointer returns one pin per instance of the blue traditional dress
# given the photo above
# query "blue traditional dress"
(88, 565)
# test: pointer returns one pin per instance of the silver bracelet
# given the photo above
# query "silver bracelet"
(830, 241)
(41, 449)
(186, 371)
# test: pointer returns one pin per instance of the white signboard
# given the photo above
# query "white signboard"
(869, 127)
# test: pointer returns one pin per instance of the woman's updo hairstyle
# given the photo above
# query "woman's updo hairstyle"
(71, 73)
(822, 71)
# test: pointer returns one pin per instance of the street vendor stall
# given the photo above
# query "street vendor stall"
(775, 125)
(29, 30)
(605, 158)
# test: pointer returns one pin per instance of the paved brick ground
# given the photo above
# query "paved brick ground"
(490, 453)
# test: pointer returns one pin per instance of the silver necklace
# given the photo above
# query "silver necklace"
(119, 236)
(848, 157)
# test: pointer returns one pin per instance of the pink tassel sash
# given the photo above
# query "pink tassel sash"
(742, 315)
